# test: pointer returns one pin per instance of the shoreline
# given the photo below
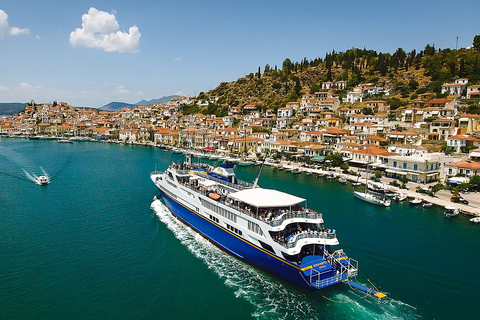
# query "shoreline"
(441, 199)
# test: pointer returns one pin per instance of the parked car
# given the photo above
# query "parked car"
(459, 199)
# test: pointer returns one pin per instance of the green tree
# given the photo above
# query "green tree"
(336, 159)
(475, 180)
(476, 42)
(446, 149)
(434, 189)
(413, 84)
(287, 65)
(314, 88)
(367, 111)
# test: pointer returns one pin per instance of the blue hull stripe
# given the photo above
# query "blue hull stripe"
(227, 239)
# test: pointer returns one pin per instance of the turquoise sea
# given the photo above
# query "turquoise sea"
(91, 246)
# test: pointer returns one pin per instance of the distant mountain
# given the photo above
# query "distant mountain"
(11, 108)
(155, 101)
(115, 106)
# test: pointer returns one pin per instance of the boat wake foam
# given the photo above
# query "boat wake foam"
(34, 178)
(270, 297)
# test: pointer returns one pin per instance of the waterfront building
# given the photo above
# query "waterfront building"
(417, 167)
(467, 168)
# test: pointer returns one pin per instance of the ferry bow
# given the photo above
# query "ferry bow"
(267, 228)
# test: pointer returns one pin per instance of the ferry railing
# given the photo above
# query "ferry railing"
(295, 214)
(319, 284)
(306, 235)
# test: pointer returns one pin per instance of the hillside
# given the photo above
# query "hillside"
(11, 108)
(405, 75)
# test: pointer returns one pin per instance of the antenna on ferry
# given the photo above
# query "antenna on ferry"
(255, 182)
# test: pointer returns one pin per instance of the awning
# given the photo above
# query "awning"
(318, 159)
(207, 183)
(402, 173)
(266, 198)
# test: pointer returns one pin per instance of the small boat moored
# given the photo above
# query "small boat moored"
(371, 198)
(416, 202)
(475, 220)
(427, 205)
(451, 212)
(399, 197)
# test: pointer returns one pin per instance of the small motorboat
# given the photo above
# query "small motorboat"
(342, 180)
(416, 202)
(427, 205)
(399, 197)
(475, 220)
(43, 180)
(296, 171)
(451, 212)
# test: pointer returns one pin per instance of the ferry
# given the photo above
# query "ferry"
(269, 229)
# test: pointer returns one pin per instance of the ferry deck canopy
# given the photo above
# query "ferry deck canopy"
(266, 198)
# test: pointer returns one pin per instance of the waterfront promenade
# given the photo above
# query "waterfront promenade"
(441, 198)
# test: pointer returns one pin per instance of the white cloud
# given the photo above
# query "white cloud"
(100, 31)
(121, 90)
(5, 29)
(177, 59)
(24, 85)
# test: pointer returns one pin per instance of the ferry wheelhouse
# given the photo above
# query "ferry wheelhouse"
(267, 228)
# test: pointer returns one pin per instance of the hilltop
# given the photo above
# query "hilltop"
(402, 75)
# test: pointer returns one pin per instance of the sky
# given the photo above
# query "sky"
(90, 53)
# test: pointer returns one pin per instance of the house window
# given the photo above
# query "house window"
(394, 164)
(404, 165)
(415, 167)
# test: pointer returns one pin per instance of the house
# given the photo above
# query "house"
(473, 92)
(438, 103)
(353, 96)
(365, 127)
(370, 155)
(455, 89)
(469, 123)
(418, 167)
(377, 105)
(458, 141)
(285, 112)
(443, 127)
(315, 150)
(467, 167)
(396, 137)
(293, 105)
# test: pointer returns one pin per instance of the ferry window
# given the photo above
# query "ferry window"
(266, 246)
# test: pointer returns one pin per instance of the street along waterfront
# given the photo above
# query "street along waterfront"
(91, 237)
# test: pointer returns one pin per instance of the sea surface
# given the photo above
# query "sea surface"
(94, 245)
